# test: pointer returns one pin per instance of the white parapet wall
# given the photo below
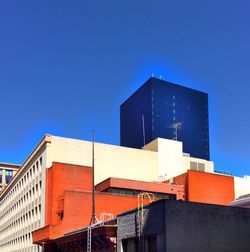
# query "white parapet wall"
(241, 186)
(162, 158)
(198, 164)
(110, 160)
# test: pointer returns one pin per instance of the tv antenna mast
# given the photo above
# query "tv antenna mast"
(176, 126)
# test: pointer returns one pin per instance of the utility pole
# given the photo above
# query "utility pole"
(93, 218)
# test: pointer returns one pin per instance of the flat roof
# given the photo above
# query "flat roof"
(9, 165)
(157, 187)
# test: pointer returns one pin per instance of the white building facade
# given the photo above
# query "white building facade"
(241, 186)
(21, 204)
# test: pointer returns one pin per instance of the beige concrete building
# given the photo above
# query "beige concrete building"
(241, 186)
(7, 172)
(171, 161)
(22, 203)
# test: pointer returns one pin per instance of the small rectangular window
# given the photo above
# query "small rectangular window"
(8, 173)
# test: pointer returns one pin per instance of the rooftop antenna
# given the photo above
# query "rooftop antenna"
(152, 75)
(143, 129)
(93, 217)
(160, 77)
(176, 126)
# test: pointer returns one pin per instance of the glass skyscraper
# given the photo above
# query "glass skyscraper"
(167, 110)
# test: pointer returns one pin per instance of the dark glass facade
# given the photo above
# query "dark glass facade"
(158, 105)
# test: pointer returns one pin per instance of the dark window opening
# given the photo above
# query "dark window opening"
(130, 192)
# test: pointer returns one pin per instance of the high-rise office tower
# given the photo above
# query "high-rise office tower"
(167, 110)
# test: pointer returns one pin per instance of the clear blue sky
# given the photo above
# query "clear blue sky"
(66, 66)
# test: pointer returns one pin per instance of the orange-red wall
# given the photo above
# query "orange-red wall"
(73, 184)
(62, 177)
(207, 187)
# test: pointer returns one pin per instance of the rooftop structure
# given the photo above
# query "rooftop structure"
(7, 172)
(184, 226)
(207, 187)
